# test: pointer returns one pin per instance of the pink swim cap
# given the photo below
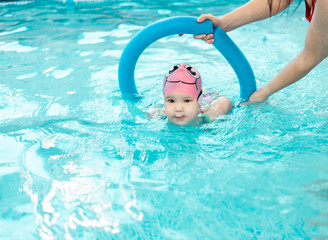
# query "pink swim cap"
(183, 78)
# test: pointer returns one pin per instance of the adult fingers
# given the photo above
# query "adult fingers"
(210, 41)
(203, 36)
(203, 17)
(207, 38)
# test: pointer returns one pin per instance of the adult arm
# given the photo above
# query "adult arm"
(252, 11)
(315, 50)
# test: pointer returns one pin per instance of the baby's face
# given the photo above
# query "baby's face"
(181, 108)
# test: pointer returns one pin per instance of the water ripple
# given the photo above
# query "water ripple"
(16, 47)
(78, 162)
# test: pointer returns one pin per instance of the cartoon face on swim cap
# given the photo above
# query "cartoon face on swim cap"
(183, 78)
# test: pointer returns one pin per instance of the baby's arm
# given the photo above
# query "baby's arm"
(220, 106)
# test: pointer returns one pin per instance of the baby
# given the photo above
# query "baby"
(182, 87)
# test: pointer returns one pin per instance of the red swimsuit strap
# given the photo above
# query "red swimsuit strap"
(309, 11)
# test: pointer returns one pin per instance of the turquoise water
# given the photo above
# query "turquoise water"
(77, 162)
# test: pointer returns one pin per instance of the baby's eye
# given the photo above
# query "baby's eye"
(170, 100)
(188, 100)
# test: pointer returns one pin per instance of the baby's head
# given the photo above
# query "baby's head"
(183, 78)
(182, 90)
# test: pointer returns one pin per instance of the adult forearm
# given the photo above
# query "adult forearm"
(252, 11)
(315, 50)
(291, 73)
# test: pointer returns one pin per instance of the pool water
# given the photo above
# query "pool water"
(78, 162)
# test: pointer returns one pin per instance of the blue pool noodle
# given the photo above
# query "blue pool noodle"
(183, 25)
(238, 62)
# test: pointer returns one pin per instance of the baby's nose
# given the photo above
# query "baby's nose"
(179, 107)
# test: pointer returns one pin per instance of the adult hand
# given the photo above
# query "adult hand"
(216, 22)
(258, 96)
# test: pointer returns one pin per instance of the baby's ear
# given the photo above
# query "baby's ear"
(199, 110)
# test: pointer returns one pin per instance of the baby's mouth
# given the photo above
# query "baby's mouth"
(180, 117)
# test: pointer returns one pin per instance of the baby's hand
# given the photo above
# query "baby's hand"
(216, 22)
(153, 111)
